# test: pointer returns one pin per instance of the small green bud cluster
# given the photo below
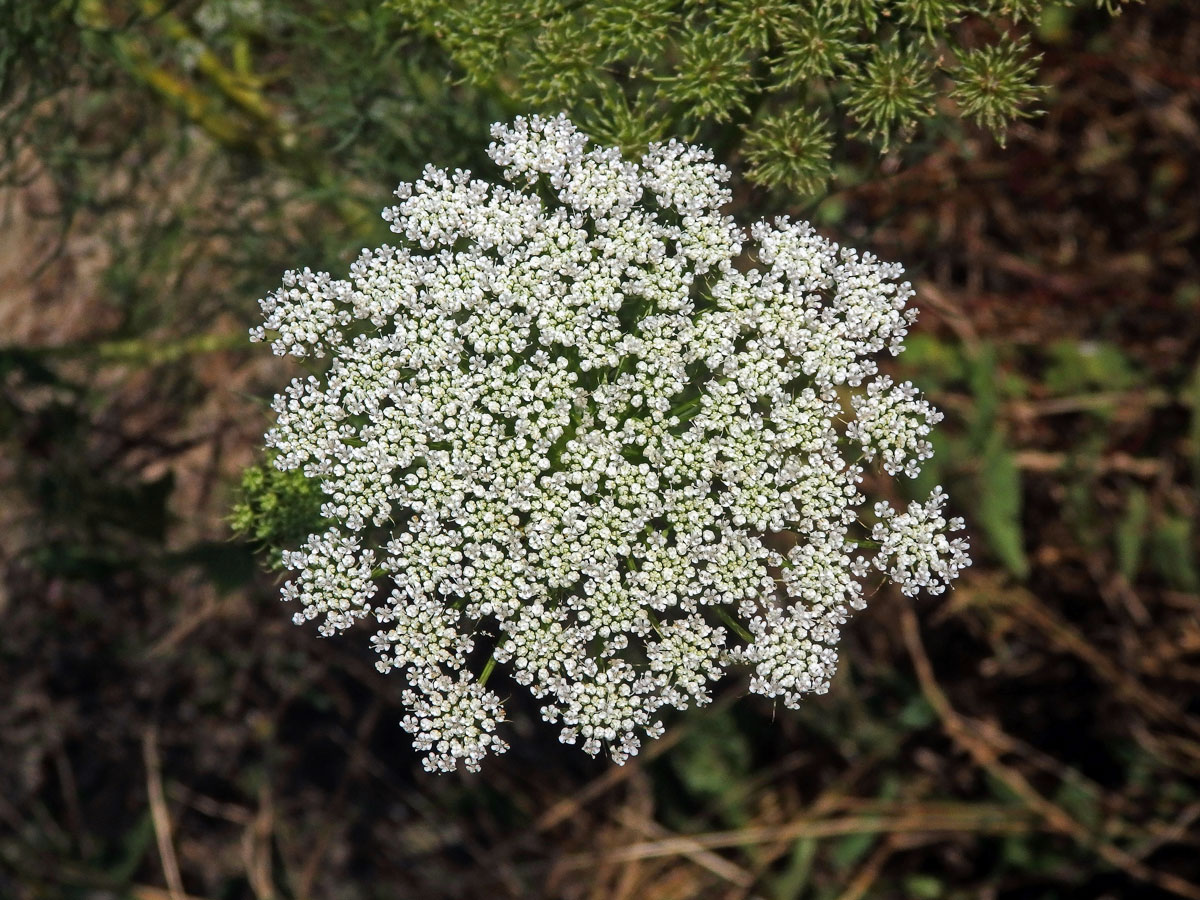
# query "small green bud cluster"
(785, 79)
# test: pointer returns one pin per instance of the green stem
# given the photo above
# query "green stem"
(144, 351)
(487, 671)
(683, 410)
(735, 625)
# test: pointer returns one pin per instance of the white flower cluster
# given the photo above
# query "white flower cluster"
(892, 422)
(569, 423)
(914, 549)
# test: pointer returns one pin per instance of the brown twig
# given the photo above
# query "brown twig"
(568, 807)
(149, 892)
(215, 809)
(950, 312)
(832, 799)
(159, 814)
(355, 753)
(1037, 615)
(978, 820)
(212, 607)
(706, 859)
(869, 873)
(971, 736)
(256, 847)
(1140, 400)
(1123, 463)
(70, 792)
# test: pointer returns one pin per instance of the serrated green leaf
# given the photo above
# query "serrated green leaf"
(1000, 504)
(1130, 534)
(982, 378)
(1173, 548)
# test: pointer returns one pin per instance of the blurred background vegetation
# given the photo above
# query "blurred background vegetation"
(166, 732)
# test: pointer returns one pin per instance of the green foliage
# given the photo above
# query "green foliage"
(1147, 533)
(248, 715)
(924, 887)
(709, 80)
(792, 77)
(276, 509)
(821, 42)
(1130, 534)
(893, 89)
(32, 32)
(849, 850)
(788, 148)
(999, 510)
(1017, 10)
(1076, 367)
(1173, 546)
(998, 479)
(791, 882)
(713, 758)
(998, 483)
(199, 148)
(932, 16)
(200, 122)
(1191, 396)
(994, 85)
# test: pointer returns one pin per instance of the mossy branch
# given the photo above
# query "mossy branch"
(235, 114)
